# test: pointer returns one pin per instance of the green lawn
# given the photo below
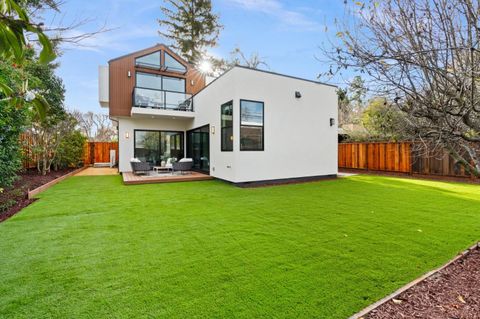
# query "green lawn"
(93, 248)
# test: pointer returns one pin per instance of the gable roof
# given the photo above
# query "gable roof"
(264, 71)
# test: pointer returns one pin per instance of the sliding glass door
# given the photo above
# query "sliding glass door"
(198, 148)
(156, 147)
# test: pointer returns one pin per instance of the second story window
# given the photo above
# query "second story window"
(173, 65)
(152, 60)
(173, 84)
(148, 81)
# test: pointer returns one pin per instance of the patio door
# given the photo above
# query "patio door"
(198, 148)
(156, 147)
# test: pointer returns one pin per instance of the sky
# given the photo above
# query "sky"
(286, 34)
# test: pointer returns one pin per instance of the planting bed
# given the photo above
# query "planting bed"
(13, 199)
(453, 292)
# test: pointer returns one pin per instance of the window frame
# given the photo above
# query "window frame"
(263, 127)
(221, 127)
(161, 76)
(145, 66)
(182, 139)
(173, 69)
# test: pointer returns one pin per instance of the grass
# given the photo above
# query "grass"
(93, 248)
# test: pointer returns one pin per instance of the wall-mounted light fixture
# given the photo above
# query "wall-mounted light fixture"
(127, 135)
(212, 129)
(332, 121)
(129, 74)
(192, 82)
(298, 94)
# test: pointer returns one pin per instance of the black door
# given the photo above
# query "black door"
(198, 148)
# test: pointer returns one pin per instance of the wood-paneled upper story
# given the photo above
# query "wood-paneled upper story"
(123, 70)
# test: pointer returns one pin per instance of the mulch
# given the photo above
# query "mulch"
(451, 293)
(14, 199)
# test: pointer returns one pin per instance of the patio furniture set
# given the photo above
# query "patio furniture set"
(182, 166)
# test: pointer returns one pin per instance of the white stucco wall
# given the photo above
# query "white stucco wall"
(128, 125)
(298, 138)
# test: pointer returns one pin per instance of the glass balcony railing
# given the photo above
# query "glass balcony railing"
(160, 99)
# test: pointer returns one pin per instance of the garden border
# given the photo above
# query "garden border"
(38, 190)
(377, 304)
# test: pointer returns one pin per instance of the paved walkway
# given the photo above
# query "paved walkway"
(97, 171)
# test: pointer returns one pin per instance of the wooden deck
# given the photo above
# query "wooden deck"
(131, 179)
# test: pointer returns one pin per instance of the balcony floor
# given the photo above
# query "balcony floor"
(131, 179)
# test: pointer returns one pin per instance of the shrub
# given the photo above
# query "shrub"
(70, 150)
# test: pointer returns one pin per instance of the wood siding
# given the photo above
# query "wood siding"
(121, 86)
(402, 157)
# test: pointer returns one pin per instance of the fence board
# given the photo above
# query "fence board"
(400, 157)
(94, 152)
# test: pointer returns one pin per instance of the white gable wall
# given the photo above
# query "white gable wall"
(299, 141)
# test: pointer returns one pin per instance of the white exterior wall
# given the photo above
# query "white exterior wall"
(207, 109)
(298, 138)
(103, 86)
(128, 125)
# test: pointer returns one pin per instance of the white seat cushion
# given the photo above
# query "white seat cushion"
(186, 160)
(134, 159)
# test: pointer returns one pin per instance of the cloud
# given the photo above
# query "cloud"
(276, 9)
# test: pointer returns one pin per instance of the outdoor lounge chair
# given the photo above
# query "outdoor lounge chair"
(140, 167)
(184, 165)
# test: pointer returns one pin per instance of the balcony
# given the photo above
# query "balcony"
(163, 100)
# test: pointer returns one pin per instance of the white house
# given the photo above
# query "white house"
(245, 126)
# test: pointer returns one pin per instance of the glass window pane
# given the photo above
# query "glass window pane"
(149, 81)
(173, 84)
(251, 113)
(251, 126)
(151, 60)
(147, 146)
(227, 126)
(171, 145)
(251, 138)
(173, 65)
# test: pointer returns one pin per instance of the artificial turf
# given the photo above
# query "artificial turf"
(94, 248)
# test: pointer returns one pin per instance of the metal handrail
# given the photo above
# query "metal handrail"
(162, 101)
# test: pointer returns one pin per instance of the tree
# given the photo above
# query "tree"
(351, 102)
(47, 139)
(423, 56)
(192, 26)
(383, 121)
(95, 126)
(14, 26)
(12, 124)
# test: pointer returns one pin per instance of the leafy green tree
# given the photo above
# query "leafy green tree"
(14, 25)
(191, 26)
(70, 150)
(384, 121)
(12, 124)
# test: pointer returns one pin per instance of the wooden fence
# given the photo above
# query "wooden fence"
(28, 159)
(94, 152)
(401, 157)
(99, 152)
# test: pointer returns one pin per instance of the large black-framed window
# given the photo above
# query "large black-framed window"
(198, 148)
(159, 82)
(226, 111)
(251, 125)
(156, 147)
(151, 60)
